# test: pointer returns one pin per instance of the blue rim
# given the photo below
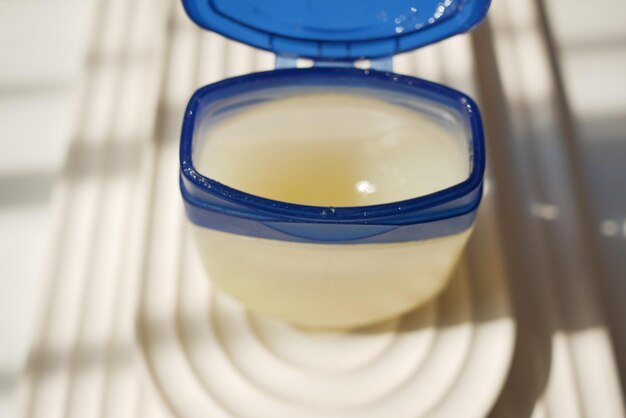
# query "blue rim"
(394, 213)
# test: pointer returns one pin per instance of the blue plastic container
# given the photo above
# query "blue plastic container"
(345, 266)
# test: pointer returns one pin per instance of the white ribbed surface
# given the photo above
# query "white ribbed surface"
(130, 327)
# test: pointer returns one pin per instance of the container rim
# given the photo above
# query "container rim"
(255, 205)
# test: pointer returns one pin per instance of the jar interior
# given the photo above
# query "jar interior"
(336, 147)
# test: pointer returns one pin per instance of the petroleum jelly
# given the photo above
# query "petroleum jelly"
(337, 150)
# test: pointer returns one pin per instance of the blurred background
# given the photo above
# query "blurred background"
(550, 77)
(42, 55)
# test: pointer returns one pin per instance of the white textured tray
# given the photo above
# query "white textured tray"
(130, 327)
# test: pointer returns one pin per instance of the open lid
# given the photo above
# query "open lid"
(337, 29)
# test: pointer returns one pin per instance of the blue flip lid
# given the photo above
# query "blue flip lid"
(337, 29)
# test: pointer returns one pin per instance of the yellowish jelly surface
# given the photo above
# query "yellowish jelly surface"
(333, 149)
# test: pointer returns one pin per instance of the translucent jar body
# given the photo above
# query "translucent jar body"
(326, 285)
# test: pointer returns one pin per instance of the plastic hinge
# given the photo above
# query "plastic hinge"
(381, 64)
